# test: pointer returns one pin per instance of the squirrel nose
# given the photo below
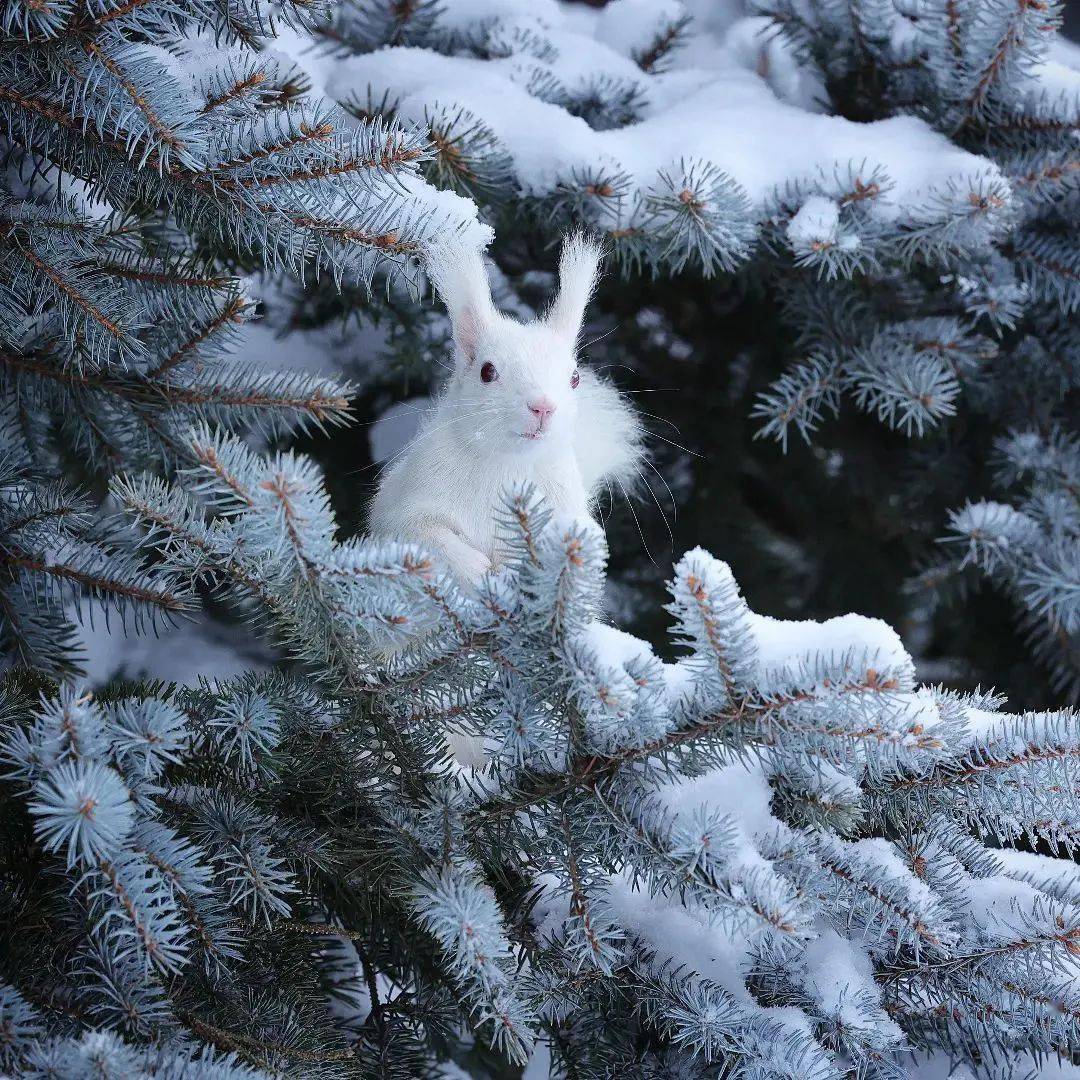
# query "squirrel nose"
(542, 408)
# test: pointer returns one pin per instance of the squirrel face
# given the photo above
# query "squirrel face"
(514, 387)
(517, 386)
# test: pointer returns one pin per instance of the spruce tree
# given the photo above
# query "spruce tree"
(778, 855)
(762, 848)
(152, 155)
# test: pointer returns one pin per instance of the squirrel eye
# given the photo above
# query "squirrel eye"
(489, 372)
(575, 379)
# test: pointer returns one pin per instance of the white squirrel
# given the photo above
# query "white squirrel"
(516, 408)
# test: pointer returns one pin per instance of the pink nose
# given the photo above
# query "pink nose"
(542, 408)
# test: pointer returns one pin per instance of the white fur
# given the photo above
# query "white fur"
(444, 488)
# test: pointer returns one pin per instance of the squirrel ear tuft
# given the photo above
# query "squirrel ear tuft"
(461, 281)
(579, 268)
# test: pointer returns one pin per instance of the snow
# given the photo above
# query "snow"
(736, 122)
(790, 652)
(539, 1066)
(1064, 52)
(878, 852)
(631, 25)
(614, 647)
(733, 99)
(740, 790)
(787, 648)
(941, 1067)
(1036, 868)
(1056, 79)
(834, 971)
(1058, 74)
(791, 655)
(461, 14)
(996, 904)
(678, 930)
(693, 943)
(916, 716)
(451, 215)
(192, 650)
(572, 65)
(546, 142)
(449, 1070)
(683, 935)
(816, 221)
(295, 47)
(680, 678)
(983, 724)
(713, 17)
(755, 46)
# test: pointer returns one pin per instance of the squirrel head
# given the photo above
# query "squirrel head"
(514, 384)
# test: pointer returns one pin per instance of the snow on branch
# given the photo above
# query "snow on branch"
(772, 818)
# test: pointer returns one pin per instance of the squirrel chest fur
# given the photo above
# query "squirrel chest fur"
(516, 409)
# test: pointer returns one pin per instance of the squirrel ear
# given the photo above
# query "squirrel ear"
(579, 268)
(461, 281)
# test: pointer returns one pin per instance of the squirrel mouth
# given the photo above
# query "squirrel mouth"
(539, 433)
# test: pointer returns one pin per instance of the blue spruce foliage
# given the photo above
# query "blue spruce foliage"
(775, 856)
(177, 165)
